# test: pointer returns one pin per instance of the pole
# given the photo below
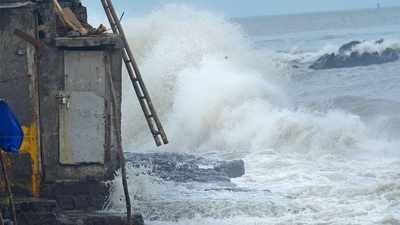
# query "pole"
(8, 186)
(1, 218)
(121, 157)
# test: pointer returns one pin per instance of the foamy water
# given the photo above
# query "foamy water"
(317, 148)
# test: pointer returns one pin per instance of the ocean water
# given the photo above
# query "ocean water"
(320, 147)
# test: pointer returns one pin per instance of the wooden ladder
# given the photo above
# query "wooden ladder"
(134, 73)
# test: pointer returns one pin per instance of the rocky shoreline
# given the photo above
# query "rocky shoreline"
(348, 56)
(186, 168)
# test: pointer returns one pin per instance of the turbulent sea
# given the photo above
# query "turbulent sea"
(320, 147)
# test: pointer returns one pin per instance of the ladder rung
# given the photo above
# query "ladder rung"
(149, 116)
(155, 134)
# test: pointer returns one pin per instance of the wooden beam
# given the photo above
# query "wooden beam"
(70, 16)
(69, 19)
(1, 219)
(29, 38)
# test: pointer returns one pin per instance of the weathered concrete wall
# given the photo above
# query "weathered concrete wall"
(31, 81)
(18, 86)
(14, 71)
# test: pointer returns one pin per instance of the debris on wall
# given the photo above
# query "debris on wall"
(74, 26)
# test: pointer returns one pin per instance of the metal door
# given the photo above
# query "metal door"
(82, 108)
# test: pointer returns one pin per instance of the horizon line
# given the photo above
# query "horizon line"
(314, 12)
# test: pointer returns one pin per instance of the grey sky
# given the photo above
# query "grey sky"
(242, 8)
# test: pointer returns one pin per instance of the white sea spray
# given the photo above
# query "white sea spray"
(216, 94)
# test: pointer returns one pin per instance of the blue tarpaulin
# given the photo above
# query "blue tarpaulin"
(11, 134)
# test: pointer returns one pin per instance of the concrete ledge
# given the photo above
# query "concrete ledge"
(88, 42)
(77, 195)
(32, 211)
(97, 218)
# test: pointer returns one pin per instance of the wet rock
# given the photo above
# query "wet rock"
(186, 168)
(295, 66)
(230, 189)
(233, 169)
(347, 57)
(348, 46)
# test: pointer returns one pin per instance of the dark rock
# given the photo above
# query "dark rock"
(233, 169)
(231, 189)
(348, 46)
(137, 219)
(295, 66)
(380, 41)
(346, 57)
(186, 168)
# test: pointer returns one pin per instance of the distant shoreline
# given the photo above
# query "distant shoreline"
(318, 21)
(318, 13)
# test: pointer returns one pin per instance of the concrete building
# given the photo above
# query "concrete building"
(58, 85)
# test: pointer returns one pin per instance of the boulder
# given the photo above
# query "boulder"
(347, 57)
(186, 168)
(233, 169)
(348, 46)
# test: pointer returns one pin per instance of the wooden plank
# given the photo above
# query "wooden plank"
(69, 19)
(70, 16)
(59, 11)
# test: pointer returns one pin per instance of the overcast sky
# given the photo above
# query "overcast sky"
(242, 8)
